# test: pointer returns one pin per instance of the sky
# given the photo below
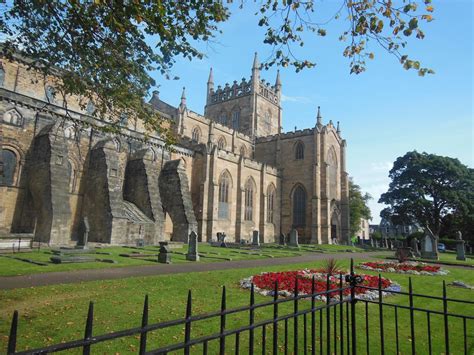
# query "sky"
(383, 113)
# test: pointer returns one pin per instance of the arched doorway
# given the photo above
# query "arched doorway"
(336, 236)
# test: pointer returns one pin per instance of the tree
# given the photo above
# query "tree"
(429, 189)
(358, 208)
(105, 50)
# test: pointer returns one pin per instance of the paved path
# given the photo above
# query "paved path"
(64, 277)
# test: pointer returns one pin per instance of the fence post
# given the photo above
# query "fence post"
(295, 323)
(313, 316)
(382, 340)
(341, 315)
(251, 318)
(275, 317)
(353, 304)
(13, 334)
(328, 316)
(187, 329)
(412, 318)
(223, 309)
(445, 313)
(88, 332)
(144, 324)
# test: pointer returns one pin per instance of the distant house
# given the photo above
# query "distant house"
(391, 230)
(364, 230)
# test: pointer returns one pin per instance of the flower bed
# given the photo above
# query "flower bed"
(264, 284)
(409, 267)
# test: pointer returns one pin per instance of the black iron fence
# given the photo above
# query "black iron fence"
(336, 326)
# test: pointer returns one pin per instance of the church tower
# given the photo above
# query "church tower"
(251, 107)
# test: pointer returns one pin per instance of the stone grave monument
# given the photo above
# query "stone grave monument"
(414, 247)
(164, 256)
(221, 239)
(460, 249)
(192, 254)
(293, 238)
(282, 240)
(255, 239)
(428, 246)
(82, 243)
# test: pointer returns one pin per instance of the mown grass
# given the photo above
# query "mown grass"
(54, 314)
(12, 267)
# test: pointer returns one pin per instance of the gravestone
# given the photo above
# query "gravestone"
(192, 254)
(414, 247)
(255, 239)
(164, 256)
(428, 247)
(460, 249)
(140, 243)
(293, 238)
(82, 244)
(282, 240)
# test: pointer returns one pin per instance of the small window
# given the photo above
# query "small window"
(90, 108)
(299, 207)
(9, 167)
(70, 133)
(123, 120)
(196, 135)
(249, 191)
(222, 118)
(72, 177)
(50, 94)
(299, 151)
(243, 151)
(2, 76)
(221, 143)
(13, 117)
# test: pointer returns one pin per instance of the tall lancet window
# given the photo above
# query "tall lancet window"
(299, 151)
(249, 197)
(270, 203)
(236, 119)
(299, 207)
(224, 187)
(2, 75)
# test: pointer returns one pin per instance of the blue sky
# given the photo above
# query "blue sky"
(384, 113)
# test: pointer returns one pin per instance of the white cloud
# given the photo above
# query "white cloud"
(298, 99)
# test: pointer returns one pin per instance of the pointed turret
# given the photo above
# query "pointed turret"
(255, 70)
(182, 104)
(319, 122)
(256, 64)
(210, 81)
(338, 130)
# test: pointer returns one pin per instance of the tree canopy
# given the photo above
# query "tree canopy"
(430, 190)
(358, 208)
(106, 50)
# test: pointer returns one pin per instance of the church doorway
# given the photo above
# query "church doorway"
(336, 237)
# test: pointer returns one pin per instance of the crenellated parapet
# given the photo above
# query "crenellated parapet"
(229, 92)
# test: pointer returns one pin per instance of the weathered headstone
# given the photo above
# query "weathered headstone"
(221, 239)
(293, 238)
(82, 243)
(372, 242)
(255, 239)
(192, 254)
(164, 256)
(428, 247)
(460, 249)
(140, 243)
(282, 240)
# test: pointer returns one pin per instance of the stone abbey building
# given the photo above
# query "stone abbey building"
(232, 170)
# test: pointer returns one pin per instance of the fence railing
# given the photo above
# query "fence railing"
(335, 326)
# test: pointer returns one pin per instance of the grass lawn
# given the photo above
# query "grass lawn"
(54, 314)
(12, 267)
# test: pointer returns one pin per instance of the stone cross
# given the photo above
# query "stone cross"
(293, 238)
(164, 256)
(255, 239)
(414, 247)
(192, 254)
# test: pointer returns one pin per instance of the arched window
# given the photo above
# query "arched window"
(50, 94)
(90, 108)
(13, 117)
(70, 133)
(224, 187)
(196, 134)
(221, 143)
(299, 207)
(9, 167)
(332, 172)
(236, 119)
(299, 151)
(243, 151)
(123, 120)
(270, 202)
(2, 75)
(222, 119)
(249, 191)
